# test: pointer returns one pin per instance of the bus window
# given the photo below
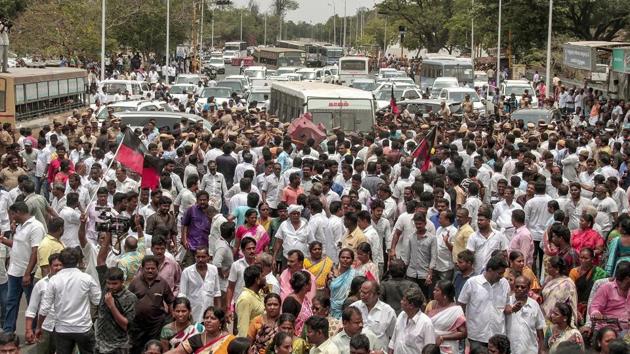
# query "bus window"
(347, 121)
(53, 88)
(136, 89)
(31, 92)
(63, 87)
(19, 94)
(3, 95)
(72, 85)
(42, 89)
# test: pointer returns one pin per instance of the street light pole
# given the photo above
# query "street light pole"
(168, 23)
(103, 39)
(385, 38)
(265, 38)
(499, 47)
(472, 34)
(344, 23)
(548, 71)
(201, 29)
(212, 30)
(241, 25)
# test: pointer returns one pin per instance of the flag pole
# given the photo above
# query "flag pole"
(100, 180)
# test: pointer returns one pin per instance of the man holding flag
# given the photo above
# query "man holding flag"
(424, 150)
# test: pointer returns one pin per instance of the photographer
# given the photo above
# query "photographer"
(5, 27)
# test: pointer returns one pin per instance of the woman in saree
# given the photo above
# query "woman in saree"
(298, 303)
(264, 216)
(449, 321)
(585, 236)
(251, 228)
(320, 266)
(340, 280)
(263, 327)
(364, 265)
(558, 288)
(561, 329)
(584, 277)
(517, 264)
(286, 322)
(214, 340)
(182, 327)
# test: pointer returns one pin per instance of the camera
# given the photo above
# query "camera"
(106, 221)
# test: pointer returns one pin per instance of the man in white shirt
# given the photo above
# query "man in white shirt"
(317, 328)
(71, 216)
(378, 317)
(413, 328)
(525, 320)
(73, 325)
(352, 325)
(269, 188)
(47, 342)
(445, 234)
(243, 166)
(607, 209)
(24, 244)
(484, 298)
(364, 222)
(124, 184)
(536, 217)
(502, 213)
(486, 240)
(200, 284)
(213, 182)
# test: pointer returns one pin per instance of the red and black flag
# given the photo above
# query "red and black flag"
(134, 155)
(392, 103)
(422, 153)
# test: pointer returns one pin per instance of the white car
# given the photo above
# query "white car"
(220, 94)
(518, 88)
(131, 106)
(261, 95)
(181, 91)
(384, 96)
(287, 70)
(458, 94)
(311, 74)
(255, 72)
(442, 82)
(242, 78)
(216, 63)
(481, 79)
(363, 84)
(109, 88)
(228, 55)
(189, 79)
(331, 73)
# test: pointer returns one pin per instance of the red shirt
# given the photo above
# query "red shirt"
(586, 238)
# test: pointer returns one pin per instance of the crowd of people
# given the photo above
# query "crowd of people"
(512, 238)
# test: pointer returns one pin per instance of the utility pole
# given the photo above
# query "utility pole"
(212, 30)
(168, 30)
(385, 38)
(472, 34)
(334, 24)
(241, 25)
(499, 47)
(201, 27)
(103, 39)
(345, 16)
(548, 71)
(265, 37)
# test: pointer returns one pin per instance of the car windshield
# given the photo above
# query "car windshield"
(531, 115)
(187, 79)
(229, 53)
(517, 90)
(281, 71)
(334, 71)
(390, 74)
(459, 96)
(117, 109)
(176, 90)
(235, 86)
(258, 96)
(216, 92)
(308, 75)
(366, 86)
(444, 83)
(218, 61)
(256, 74)
(387, 94)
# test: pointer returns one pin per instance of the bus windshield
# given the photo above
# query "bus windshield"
(461, 72)
(175, 90)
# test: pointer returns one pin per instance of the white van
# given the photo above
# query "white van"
(112, 87)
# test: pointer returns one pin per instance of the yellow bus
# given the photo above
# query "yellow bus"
(27, 93)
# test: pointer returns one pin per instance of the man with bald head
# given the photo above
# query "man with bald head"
(378, 317)
(129, 262)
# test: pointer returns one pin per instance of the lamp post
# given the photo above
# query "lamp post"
(344, 23)
(472, 34)
(499, 47)
(548, 71)
(334, 22)
(168, 30)
(103, 3)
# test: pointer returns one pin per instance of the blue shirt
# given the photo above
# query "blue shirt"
(460, 280)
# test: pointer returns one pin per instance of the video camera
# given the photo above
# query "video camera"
(106, 221)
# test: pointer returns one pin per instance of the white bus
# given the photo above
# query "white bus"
(239, 47)
(332, 105)
(351, 68)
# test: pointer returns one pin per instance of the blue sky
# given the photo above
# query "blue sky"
(315, 10)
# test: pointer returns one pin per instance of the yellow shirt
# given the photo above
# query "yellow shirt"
(353, 239)
(461, 239)
(49, 245)
(248, 306)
